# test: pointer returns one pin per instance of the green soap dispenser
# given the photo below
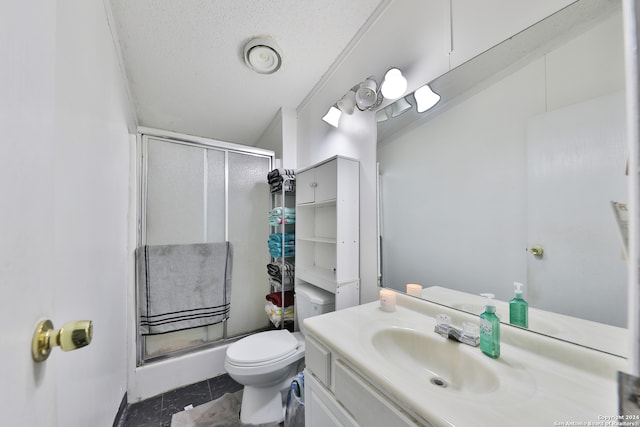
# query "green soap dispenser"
(518, 308)
(490, 330)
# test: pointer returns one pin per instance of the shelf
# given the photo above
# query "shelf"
(330, 202)
(328, 240)
(283, 200)
(321, 277)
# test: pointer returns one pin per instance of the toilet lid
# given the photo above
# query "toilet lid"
(262, 347)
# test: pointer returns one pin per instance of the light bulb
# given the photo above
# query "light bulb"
(333, 116)
(347, 103)
(381, 116)
(399, 107)
(394, 84)
(425, 98)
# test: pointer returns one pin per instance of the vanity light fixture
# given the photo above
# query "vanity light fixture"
(363, 95)
(425, 98)
(262, 55)
(394, 84)
(347, 103)
(399, 107)
(333, 116)
(381, 115)
(367, 94)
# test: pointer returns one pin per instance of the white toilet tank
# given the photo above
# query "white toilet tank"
(312, 301)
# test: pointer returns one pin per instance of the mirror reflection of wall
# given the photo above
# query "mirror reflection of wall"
(533, 159)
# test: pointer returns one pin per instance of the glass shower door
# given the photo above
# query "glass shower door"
(205, 194)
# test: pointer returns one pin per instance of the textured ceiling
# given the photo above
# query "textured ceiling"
(184, 63)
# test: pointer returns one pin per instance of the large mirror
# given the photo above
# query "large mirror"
(511, 178)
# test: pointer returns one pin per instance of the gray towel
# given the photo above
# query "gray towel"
(183, 286)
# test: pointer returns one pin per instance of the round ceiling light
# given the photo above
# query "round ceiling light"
(262, 55)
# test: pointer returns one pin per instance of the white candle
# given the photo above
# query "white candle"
(387, 300)
(414, 290)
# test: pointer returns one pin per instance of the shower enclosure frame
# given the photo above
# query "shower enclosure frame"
(141, 221)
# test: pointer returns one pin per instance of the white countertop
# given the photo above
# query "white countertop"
(541, 380)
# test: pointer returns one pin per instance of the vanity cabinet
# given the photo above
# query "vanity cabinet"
(336, 395)
(372, 368)
(327, 228)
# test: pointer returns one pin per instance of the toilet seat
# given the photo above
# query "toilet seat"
(263, 348)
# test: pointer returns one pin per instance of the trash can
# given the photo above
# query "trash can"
(294, 413)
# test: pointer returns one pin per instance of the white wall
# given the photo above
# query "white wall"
(271, 138)
(64, 179)
(373, 54)
(445, 165)
(280, 137)
(631, 24)
(289, 138)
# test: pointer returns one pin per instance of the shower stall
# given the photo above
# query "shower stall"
(195, 190)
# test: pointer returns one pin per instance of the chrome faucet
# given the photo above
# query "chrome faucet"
(469, 334)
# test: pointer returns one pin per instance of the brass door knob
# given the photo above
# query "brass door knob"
(537, 250)
(73, 335)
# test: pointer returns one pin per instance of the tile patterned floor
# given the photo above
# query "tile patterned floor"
(157, 411)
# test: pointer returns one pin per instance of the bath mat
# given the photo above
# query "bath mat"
(222, 412)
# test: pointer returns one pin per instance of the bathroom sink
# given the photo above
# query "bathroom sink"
(439, 362)
(441, 382)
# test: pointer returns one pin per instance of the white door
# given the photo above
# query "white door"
(64, 178)
(576, 165)
(27, 394)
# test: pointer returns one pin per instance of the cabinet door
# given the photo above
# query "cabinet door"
(321, 408)
(326, 181)
(305, 183)
(367, 406)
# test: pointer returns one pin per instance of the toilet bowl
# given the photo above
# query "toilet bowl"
(265, 363)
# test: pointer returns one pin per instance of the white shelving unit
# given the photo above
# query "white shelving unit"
(327, 228)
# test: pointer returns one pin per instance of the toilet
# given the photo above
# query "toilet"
(265, 363)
